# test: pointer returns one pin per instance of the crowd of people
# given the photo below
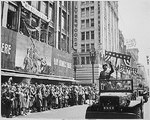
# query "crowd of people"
(21, 99)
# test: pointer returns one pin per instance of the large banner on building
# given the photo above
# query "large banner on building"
(62, 63)
(8, 48)
(33, 56)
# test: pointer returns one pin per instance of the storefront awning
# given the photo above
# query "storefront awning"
(37, 76)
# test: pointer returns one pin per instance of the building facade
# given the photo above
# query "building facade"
(95, 26)
(36, 39)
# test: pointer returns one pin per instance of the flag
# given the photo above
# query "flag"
(124, 57)
(121, 69)
(126, 60)
(134, 71)
(107, 56)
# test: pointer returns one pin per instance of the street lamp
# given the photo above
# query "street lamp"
(92, 58)
(75, 67)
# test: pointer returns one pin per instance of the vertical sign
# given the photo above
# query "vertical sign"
(75, 37)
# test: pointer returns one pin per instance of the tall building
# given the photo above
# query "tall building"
(36, 40)
(122, 49)
(95, 26)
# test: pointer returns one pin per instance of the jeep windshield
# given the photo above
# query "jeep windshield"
(116, 85)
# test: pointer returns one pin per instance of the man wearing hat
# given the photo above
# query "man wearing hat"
(105, 75)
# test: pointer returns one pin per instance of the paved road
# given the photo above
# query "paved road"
(147, 110)
(74, 112)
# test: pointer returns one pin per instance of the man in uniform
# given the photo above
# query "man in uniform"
(105, 75)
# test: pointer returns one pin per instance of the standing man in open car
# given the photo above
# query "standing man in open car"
(106, 74)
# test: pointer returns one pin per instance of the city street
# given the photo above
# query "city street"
(74, 112)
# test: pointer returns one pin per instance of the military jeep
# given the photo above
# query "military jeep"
(116, 101)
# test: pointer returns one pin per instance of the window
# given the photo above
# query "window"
(35, 4)
(92, 22)
(87, 2)
(51, 36)
(87, 35)
(68, 44)
(43, 31)
(76, 16)
(24, 16)
(51, 12)
(87, 60)
(68, 25)
(92, 2)
(92, 45)
(87, 23)
(63, 20)
(92, 10)
(83, 60)
(63, 38)
(44, 7)
(82, 3)
(82, 23)
(82, 12)
(92, 34)
(87, 12)
(75, 60)
(35, 23)
(64, 3)
(87, 48)
(12, 17)
(82, 47)
(82, 35)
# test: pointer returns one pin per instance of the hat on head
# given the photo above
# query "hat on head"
(104, 65)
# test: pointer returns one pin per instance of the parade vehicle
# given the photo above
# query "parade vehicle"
(116, 101)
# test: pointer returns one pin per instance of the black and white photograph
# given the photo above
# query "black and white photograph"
(75, 59)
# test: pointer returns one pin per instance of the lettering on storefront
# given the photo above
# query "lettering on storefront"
(62, 63)
(5, 48)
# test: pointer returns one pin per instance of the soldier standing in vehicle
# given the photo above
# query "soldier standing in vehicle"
(105, 75)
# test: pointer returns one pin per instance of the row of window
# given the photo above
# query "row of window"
(87, 23)
(86, 35)
(41, 6)
(86, 47)
(85, 60)
(89, 11)
(87, 2)
(37, 28)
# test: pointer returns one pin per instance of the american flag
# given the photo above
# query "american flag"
(121, 69)
(107, 55)
(133, 71)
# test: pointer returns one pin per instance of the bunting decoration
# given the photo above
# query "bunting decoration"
(121, 69)
(107, 56)
(124, 57)
(128, 69)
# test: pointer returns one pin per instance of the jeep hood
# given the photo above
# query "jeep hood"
(114, 94)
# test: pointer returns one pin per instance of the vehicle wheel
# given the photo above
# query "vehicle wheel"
(139, 113)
